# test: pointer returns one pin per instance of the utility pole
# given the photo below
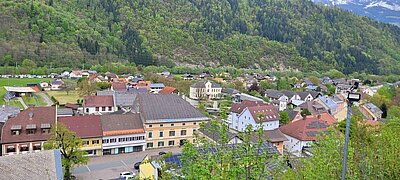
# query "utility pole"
(351, 97)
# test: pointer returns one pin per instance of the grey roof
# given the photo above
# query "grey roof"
(292, 114)
(215, 134)
(155, 85)
(122, 98)
(273, 93)
(289, 94)
(303, 95)
(270, 135)
(38, 165)
(64, 111)
(230, 91)
(202, 84)
(156, 108)
(374, 109)
(136, 90)
(7, 112)
(116, 122)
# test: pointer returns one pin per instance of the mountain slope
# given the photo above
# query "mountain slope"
(242, 33)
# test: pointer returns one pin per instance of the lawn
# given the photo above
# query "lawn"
(14, 102)
(17, 82)
(63, 98)
(31, 100)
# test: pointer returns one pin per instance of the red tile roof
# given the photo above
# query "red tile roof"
(167, 90)
(308, 129)
(98, 101)
(40, 115)
(270, 112)
(71, 106)
(36, 89)
(84, 126)
(239, 107)
(118, 86)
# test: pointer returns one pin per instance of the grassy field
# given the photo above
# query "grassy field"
(63, 98)
(31, 100)
(18, 82)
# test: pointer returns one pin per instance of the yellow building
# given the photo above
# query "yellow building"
(168, 119)
(89, 129)
(149, 169)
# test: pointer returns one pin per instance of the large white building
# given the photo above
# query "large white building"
(205, 90)
(249, 113)
(122, 133)
(98, 104)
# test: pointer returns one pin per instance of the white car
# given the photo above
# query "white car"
(127, 175)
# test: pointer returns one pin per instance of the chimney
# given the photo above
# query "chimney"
(30, 115)
(304, 117)
(319, 116)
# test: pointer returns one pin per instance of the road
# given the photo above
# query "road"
(46, 99)
(109, 166)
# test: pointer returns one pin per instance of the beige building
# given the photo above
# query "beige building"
(168, 119)
(205, 90)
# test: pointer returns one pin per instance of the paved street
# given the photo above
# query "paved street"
(109, 166)
(46, 99)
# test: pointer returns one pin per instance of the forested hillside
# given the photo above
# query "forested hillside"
(241, 33)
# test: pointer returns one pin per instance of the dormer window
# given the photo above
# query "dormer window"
(16, 129)
(31, 128)
(45, 128)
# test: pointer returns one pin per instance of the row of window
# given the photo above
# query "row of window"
(103, 108)
(171, 133)
(86, 142)
(30, 131)
(25, 148)
(160, 144)
(162, 125)
(125, 139)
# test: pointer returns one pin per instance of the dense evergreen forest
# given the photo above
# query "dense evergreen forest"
(242, 33)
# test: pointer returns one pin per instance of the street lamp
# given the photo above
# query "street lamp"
(351, 97)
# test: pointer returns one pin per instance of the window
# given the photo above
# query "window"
(121, 139)
(172, 124)
(109, 108)
(172, 133)
(85, 142)
(87, 110)
(161, 134)
(183, 124)
(31, 131)
(15, 132)
(103, 108)
(161, 125)
(24, 148)
(45, 131)
(161, 144)
(37, 147)
(150, 134)
(150, 126)
(113, 140)
(194, 123)
(171, 143)
(95, 142)
(105, 141)
(10, 149)
(97, 108)
(183, 132)
(149, 145)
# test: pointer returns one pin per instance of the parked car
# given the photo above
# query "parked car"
(162, 153)
(137, 165)
(126, 175)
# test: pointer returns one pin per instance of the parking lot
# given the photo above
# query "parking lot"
(109, 166)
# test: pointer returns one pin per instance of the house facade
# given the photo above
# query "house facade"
(371, 112)
(56, 85)
(122, 133)
(98, 104)
(156, 87)
(269, 115)
(28, 131)
(205, 90)
(302, 133)
(89, 129)
(168, 119)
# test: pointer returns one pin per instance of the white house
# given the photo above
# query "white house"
(122, 133)
(302, 133)
(65, 74)
(76, 74)
(45, 86)
(56, 85)
(371, 90)
(156, 87)
(205, 90)
(98, 104)
(250, 113)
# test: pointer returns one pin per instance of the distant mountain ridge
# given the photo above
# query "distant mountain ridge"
(387, 11)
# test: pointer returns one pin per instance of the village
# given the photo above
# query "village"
(159, 112)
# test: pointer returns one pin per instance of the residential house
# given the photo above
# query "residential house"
(169, 90)
(291, 95)
(342, 88)
(251, 116)
(109, 76)
(314, 107)
(237, 109)
(169, 120)
(124, 100)
(277, 98)
(45, 86)
(98, 104)
(305, 96)
(118, 86)
(41, 165)
(229, 92)
(215, 137)
(294, 115)
(122, 133)
(243, 97)
(64, 112)
(156, 87)
(371, 112)
(96, 78)
(276, 137)
(89, 129)
(76, 74)
(65, 74)
(370, 91)
(57, 85)
(28, 131)
(149, 169)
(205, 90)
(188, 77)
(328, 103)
(302, 133)
(219, 80)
